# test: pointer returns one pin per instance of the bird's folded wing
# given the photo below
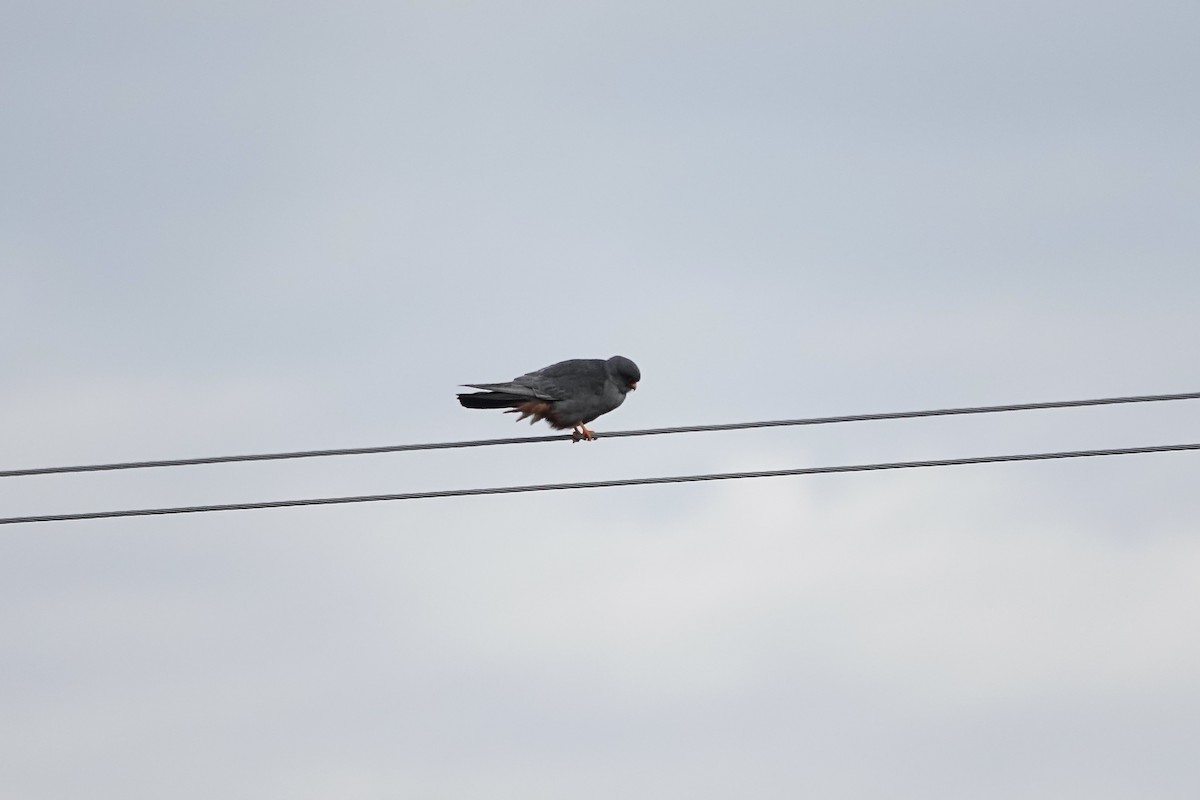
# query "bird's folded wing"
(537, 393)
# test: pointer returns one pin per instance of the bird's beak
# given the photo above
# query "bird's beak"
(633, 385)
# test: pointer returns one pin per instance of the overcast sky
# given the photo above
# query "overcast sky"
(236, 227)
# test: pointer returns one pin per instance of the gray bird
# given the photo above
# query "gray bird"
(568, 394)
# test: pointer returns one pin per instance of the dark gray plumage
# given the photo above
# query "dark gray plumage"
(568, 394)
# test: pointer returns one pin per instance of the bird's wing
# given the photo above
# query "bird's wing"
(568, 378)
(555, 382)
(516, 388)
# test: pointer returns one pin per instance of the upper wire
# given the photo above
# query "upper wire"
(400, 448)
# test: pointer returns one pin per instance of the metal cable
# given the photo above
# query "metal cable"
(773, 473)
(399, 448)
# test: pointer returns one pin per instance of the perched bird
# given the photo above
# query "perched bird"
(568, 394)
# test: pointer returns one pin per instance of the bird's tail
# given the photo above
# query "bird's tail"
(492, 399)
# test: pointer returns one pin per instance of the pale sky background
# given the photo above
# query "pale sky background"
(231, 227)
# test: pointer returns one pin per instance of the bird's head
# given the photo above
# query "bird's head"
(625, 371)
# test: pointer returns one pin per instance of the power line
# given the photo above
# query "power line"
(774, 473)
(734, 426)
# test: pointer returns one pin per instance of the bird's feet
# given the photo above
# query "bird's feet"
(582, 434)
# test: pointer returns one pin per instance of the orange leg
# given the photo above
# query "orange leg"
(581, 433)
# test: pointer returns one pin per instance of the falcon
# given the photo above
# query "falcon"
(568, 394)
